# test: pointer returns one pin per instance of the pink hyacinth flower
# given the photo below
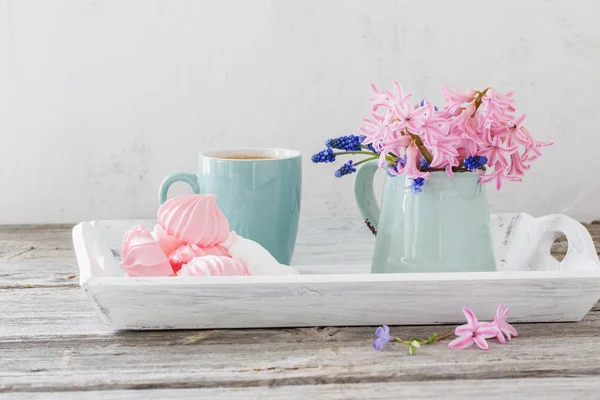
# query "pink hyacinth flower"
(412, 155)
(504, 328)
(496, 153)
(498, 176)
(473, 332)
(455, 99)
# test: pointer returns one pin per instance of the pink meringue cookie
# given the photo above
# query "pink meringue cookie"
(167, 242)
(187, 252)
(213, 266)
(194, 218)
(142, 254)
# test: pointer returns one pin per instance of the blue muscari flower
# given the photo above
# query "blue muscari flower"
(370, 147)
(475, 162)
(347, 143)
(401, 161)
(324, 156)
(424, 163)
(345, 169)
(416, 186)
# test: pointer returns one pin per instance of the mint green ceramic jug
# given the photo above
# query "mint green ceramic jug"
(445, 228)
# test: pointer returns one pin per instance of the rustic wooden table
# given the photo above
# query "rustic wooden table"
(53, 344)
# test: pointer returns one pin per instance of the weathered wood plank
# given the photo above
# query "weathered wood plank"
(39, 273)
(26, 242)
(546, 388)
(274, 358)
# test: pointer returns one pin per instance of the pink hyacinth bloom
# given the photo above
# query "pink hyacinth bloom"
(517, 166)
(533, 151)
(496, 152)
(412, 157)
(465, 123)
(498, 176)
(455, 99)
(408, 117)
(504, 328)
(473, 332)
(398, 96)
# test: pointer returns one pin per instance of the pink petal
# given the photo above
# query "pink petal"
(461, 342)
(471, 318)
(463, 330)
(508, 330)
(480, 341)
(487, 330)
(500, 338)
(505, 313)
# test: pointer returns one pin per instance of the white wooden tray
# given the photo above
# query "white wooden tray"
(336, 289)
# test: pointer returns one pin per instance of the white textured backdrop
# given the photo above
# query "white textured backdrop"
(99, 100)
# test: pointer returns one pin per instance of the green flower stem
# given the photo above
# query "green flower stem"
(339, 153)
(369, 153)
(365, 160)
(416, 343)
(421, 147)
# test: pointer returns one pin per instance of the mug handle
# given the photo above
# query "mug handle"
(190, 179)
(364, 195)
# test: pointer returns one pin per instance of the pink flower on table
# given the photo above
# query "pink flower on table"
(504, 328)
(473, 332)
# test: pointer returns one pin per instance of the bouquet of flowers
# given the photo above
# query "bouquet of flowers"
(475, 131)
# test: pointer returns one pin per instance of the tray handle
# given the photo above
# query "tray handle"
(529, 244)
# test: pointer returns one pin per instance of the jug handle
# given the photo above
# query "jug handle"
(364, 195)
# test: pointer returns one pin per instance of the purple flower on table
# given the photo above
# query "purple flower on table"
(383, 336)
(424, 163)
(504, 328)
(473, 332)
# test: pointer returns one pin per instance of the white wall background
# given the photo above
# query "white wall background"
(100, 99)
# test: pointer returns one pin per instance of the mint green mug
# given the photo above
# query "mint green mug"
(258, 190)
(445, 228)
